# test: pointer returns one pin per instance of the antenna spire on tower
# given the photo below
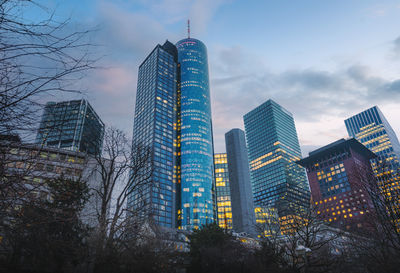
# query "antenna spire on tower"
(188, 27)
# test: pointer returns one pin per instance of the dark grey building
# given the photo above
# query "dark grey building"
(239, 176)
(71, 125)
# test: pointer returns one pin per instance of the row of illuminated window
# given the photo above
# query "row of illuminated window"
(329, 160)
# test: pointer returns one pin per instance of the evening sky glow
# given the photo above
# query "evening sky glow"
(324, 61)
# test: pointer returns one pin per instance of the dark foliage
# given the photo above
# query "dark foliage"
(46, 234)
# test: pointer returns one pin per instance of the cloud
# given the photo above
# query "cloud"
(319, 100)
(396, 46)
(134, 33)
(167, 12)
(201, 12)
(114, 80)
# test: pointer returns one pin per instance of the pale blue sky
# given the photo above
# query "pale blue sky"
(322, 60)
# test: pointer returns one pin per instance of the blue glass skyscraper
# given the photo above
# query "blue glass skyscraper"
(278, 183)
(195, 136)
(154, 120)
(173, 119)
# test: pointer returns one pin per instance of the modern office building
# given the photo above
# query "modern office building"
(277, 181)
(339, 192)
(154, 120)
(240, 185)
(222, 191)
(173, 119)
(195, 136)
(71, 125)
(371, 128)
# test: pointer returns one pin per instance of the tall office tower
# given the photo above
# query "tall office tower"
(195, 136)
(223, 192)
(71, 125)
(371, 128)
(240, 185)
(278, 183)
(338, 191)
(154, 128)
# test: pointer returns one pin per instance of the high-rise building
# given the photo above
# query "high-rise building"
(155, 115)
(338, 189)
(240, 185)
(222, 191)
(278, 183)
(195, 136)
(173, 119)
(371, 128)
(71, 125)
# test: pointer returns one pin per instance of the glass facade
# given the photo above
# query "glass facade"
(371, 128)
(195, 136)
(223, 192)
(277, 181)
(71, 125)
(154, 121)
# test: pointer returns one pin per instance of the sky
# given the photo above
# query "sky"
(324, 61)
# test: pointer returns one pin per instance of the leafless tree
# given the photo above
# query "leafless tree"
(37, 59)
(380, 252)
(122, 170)
(309, 244)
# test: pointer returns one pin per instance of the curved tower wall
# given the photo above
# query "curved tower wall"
(196, 143)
